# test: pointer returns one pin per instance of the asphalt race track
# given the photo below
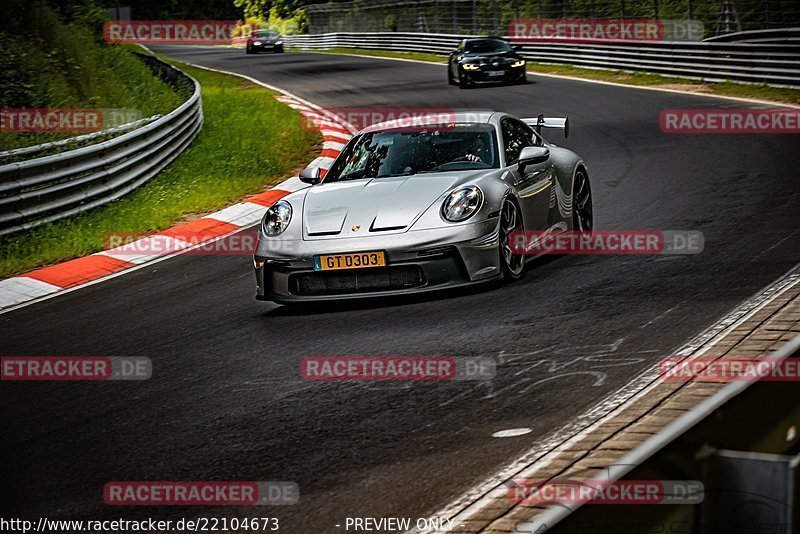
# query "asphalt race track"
(226, 400)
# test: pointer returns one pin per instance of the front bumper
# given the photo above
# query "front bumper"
(489, 74)
(259, 46)
(417, 261)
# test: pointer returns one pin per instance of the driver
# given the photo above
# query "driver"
(477, 152)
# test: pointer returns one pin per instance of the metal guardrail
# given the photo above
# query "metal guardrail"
(782, 35)
(48, 188)
(775, 64)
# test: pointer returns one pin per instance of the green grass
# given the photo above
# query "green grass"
(741, 90)
(249, 140)
(56, 65)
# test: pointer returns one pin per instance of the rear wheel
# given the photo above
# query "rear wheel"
(582, 215)
(511, 263)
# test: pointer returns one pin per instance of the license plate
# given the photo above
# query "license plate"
(354, 260)
(495, 73)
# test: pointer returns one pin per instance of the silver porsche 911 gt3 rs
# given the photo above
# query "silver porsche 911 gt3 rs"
(419, 207)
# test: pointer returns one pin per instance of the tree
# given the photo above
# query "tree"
(254, 8)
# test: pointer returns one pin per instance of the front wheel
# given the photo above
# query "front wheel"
(450, 79)
(582, 215)
(511, 263)
(462, 83)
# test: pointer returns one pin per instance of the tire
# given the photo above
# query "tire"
(582, 212)
(248, 50)
(450, 80)
(462, 83)
(279, 50)
(512, 265)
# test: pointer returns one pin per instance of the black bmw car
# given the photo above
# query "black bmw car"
(485, 60)
(264, 41)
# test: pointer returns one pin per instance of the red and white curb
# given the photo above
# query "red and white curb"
(49, 281)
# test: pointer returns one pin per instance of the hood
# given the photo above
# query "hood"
(375, 205)
(473, 56)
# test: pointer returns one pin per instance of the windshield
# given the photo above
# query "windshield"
(399, 152)
(265, 33)
(483, 46)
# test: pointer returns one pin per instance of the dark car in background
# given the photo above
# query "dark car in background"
(264, 41)
(485, 60)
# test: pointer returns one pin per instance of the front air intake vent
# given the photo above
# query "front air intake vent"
(356, 281)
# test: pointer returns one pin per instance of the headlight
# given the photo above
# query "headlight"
(277, 218)
(519, 63)
(462, 203)
(470, 66)
(278, 42)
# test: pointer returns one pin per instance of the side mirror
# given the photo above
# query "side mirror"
(310, 175)
(516, 48)
(531, 155)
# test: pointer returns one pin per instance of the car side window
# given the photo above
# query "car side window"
(516, 136)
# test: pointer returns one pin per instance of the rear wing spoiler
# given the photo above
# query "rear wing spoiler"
(549, 122)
